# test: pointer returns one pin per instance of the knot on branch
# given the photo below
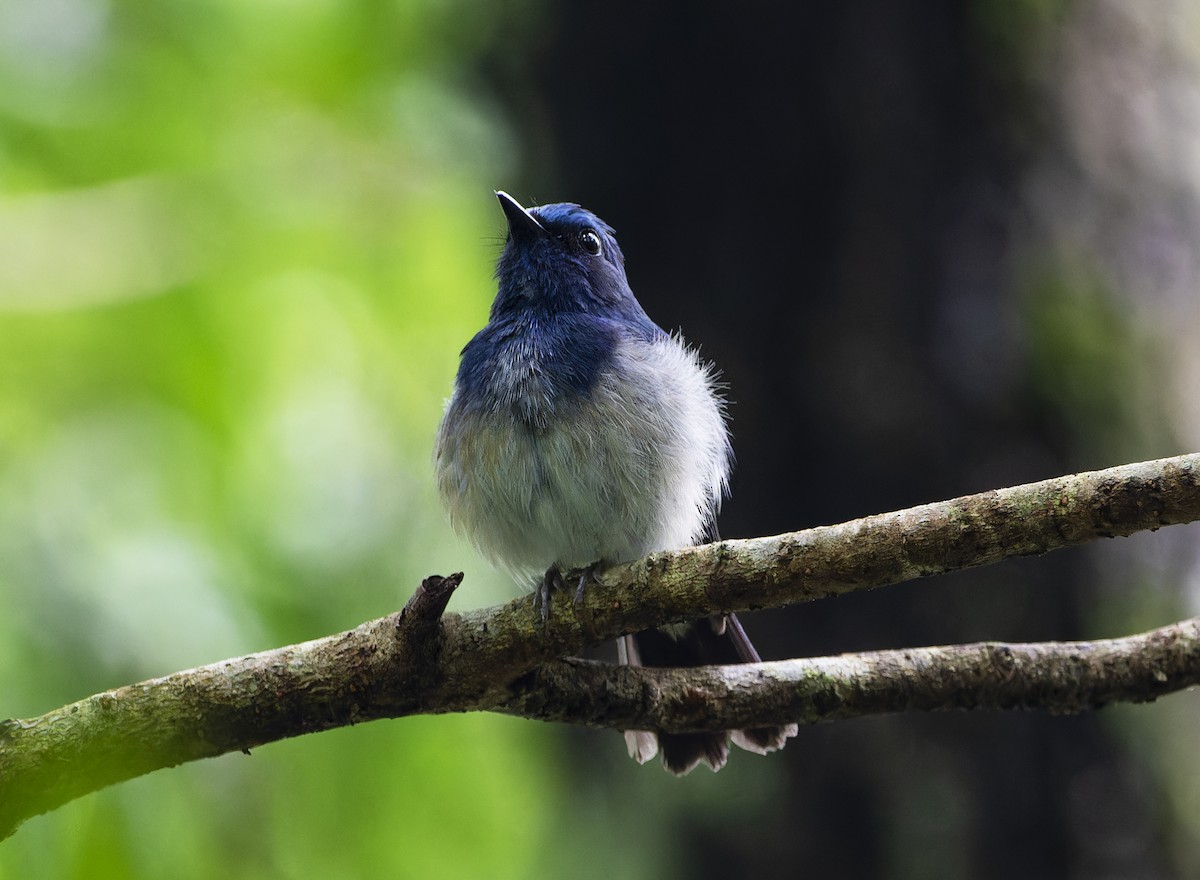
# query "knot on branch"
(419, 632)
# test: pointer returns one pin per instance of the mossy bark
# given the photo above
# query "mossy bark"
(505, 659)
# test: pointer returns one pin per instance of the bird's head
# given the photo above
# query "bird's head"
(561, 259)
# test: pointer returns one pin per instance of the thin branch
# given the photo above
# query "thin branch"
(421, 661)
(1058, 677)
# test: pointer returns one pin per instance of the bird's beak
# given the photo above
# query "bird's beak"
(522, 226)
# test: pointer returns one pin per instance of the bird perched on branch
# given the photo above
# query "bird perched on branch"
(580, 433)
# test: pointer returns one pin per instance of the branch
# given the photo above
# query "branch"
(422, 661)
(1058, 677)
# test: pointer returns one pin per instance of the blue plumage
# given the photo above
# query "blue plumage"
(579, 432)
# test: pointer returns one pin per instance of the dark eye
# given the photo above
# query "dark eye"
(590, 242)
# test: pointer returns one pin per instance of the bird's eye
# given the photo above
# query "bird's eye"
(590, 242)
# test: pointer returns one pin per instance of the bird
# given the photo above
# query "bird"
(580, 434)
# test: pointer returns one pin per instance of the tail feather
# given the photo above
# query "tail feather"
(719, 639)
(682, 752)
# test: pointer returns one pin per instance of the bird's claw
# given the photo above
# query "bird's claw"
(581, 613)
(553, 580)
(580, 591)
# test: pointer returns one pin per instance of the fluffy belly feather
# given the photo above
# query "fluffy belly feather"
(609, 476)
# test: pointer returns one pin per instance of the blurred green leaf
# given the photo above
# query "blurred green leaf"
(241, 246)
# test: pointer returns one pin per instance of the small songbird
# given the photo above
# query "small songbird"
(580, 433)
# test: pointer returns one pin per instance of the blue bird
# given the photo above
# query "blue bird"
(579, 434)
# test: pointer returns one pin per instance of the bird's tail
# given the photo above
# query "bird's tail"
(719, 639)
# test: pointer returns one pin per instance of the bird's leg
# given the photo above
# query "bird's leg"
(581, 612)
(581, 590)
(553, 580)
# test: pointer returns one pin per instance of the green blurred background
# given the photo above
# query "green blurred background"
(935, 248)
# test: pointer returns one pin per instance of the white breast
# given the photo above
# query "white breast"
(638, 465)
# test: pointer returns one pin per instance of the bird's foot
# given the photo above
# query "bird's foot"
(581, 612)
(553, 580)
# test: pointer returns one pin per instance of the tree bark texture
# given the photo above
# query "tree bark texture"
(504, 659)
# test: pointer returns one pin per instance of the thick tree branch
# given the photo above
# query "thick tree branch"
(423, 662)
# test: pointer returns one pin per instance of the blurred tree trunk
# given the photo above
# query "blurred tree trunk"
(879, 220)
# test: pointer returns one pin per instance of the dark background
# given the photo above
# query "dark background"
(830, 200)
